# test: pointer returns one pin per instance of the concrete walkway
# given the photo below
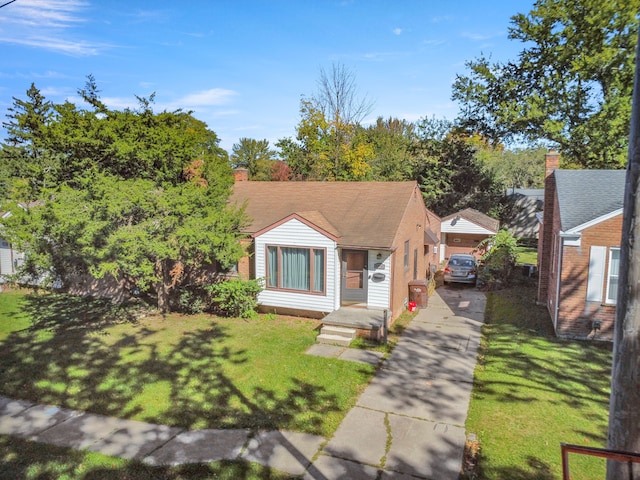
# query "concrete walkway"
(408, 423)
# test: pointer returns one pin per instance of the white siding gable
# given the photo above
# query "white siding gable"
(295, 233)
(463, 226)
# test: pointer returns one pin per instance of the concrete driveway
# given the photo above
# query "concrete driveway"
(409, 422)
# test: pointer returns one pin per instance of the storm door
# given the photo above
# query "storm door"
(354, 276)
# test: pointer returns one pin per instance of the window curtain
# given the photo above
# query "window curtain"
(272, 265)
(295, 268)
(318, 270)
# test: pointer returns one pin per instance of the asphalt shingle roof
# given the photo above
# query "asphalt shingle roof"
(474, 216)
(584, 195)
(364, 214)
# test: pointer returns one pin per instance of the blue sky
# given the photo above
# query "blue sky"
(243, 66)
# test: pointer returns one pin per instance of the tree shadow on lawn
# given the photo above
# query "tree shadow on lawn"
(537, 470)
(25, 459)
(68, 358)
(525, 347)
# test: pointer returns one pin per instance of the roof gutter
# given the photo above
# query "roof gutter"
(367, 247)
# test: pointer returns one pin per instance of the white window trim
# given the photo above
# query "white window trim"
(609, 275)
(595, 273)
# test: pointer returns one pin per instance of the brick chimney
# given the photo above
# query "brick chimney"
(551, 162)
(545, 232)
(240, 175)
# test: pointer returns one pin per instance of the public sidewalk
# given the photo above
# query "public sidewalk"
(408, 423)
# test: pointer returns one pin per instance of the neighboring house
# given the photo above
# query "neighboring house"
(579, 249)
(525, 206)
(10, 259)
(464, 230)
(321, 246)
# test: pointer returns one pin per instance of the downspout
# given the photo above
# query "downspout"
(559, 277)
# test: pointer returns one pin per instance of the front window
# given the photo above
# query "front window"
(296, 268)
(612, 282)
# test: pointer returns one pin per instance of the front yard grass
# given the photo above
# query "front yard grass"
(533, 391)
(22, 459)
(196, 371)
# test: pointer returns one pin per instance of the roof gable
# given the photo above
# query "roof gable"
(313, 220)
(470, 218)
(584, 196)
(365, 214)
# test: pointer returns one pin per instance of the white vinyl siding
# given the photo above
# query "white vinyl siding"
(378, 290)
(595, 283)
(6, 258)
(464, 226)
(296, 234)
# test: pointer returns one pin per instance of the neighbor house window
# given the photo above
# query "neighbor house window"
(603, 274)
(406, 255)
(296, 268)
(612, 282)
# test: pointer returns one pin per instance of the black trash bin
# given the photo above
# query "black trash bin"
(419, 292)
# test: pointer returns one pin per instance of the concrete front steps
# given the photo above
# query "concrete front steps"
(334, 335)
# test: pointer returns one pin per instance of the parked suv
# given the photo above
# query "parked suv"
(461, 268)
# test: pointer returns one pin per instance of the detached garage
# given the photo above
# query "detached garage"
(461, 232)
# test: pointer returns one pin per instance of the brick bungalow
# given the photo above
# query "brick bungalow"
(322, 246)
(579, 249)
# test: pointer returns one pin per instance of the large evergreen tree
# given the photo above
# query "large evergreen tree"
(134, 194)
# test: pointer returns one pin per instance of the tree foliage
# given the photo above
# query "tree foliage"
(134, 194)
(571, 84)
(392, 141)
(255, 156)
(329, 144)
(500, 259)
(449, 174)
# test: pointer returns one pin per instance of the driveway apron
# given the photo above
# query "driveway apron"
(409, 422)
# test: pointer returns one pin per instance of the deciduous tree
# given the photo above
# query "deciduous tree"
(255, 156)
(570, 86)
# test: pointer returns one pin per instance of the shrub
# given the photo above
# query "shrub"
(192, 301)
(499, 261)
(237, 297)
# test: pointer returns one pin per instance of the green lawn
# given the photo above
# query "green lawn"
(533, 391)
(527, 255)
(195, 371)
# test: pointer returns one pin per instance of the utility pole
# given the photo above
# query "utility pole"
(624, 405)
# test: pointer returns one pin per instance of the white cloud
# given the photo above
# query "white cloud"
(480, 37)
(211, 97)
(397, 31)
(61, 45)
(44, 24)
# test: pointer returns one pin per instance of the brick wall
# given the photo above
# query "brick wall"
(411, 228)
(576, 315)
(432, 256)
(467, 244)
(545, 234)
(246, 268)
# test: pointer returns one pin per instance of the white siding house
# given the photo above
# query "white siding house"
(298, 234)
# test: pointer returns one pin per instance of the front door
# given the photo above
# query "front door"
(354, 276)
